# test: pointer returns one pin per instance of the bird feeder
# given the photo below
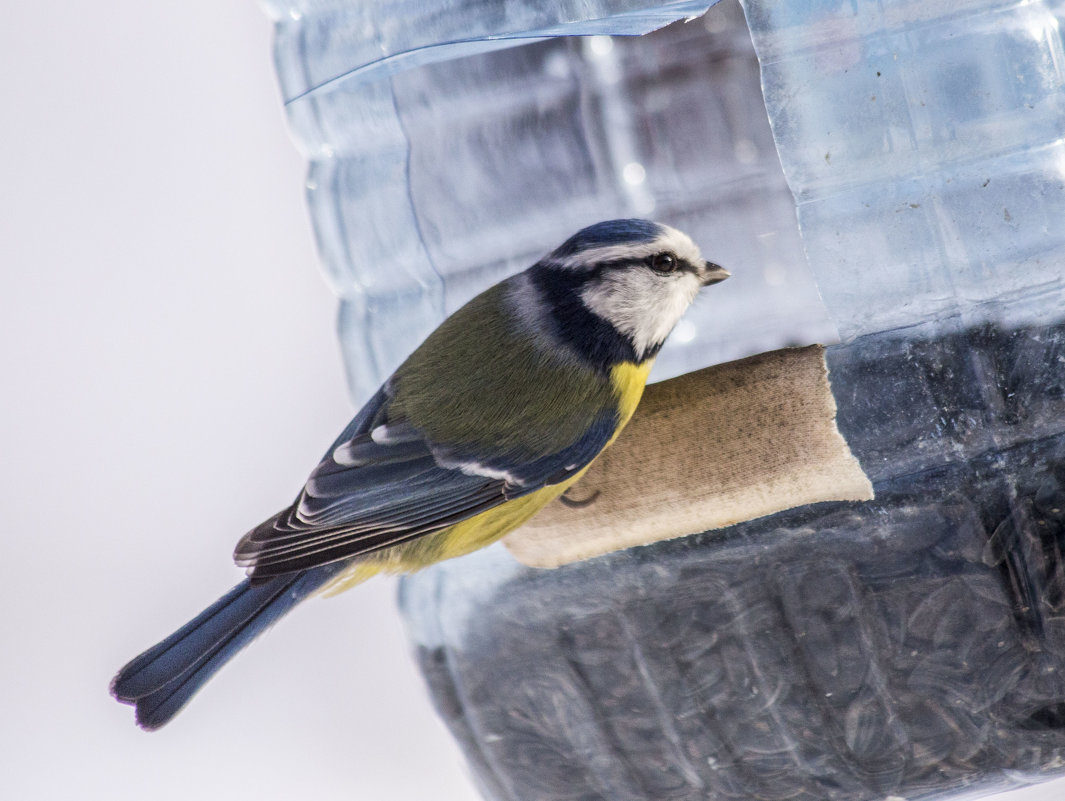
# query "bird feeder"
(831, 571)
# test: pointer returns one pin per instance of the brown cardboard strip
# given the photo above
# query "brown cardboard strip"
(706, 450)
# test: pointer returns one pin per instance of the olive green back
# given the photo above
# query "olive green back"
(479, 381)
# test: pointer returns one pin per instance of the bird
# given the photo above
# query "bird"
(500, 410)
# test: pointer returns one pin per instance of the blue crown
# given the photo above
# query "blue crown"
(609, 232)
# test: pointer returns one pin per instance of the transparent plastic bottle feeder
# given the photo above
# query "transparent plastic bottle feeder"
(905, 163)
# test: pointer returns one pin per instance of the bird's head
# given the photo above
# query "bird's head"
(616, 289)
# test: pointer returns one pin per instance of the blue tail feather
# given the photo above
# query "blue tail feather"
(164, 678)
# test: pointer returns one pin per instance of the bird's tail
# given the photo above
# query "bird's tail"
(161, 681)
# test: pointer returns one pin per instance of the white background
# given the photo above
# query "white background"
(170, 374)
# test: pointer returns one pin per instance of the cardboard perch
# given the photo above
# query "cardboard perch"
(706, 450)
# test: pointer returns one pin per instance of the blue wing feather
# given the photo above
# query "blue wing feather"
(371, 492)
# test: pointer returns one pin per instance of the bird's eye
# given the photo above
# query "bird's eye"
(664, 263)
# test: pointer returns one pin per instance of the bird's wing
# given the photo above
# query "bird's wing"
(386, 483)
(474, 417)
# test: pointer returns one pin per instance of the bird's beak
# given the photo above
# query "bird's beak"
(713, 273)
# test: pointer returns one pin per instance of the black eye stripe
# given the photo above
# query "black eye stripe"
(592, 272)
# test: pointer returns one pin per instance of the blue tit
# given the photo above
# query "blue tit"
(499, 411)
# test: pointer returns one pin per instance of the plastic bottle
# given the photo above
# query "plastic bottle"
(912, 646)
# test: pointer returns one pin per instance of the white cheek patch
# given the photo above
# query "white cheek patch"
(641, 304)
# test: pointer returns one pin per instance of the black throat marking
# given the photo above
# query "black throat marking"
(590, 336)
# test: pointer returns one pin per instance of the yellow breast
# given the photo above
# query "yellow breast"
(629, 379)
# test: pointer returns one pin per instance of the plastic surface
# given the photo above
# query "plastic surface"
(910, 647)
(437, 169)
(924, 143)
